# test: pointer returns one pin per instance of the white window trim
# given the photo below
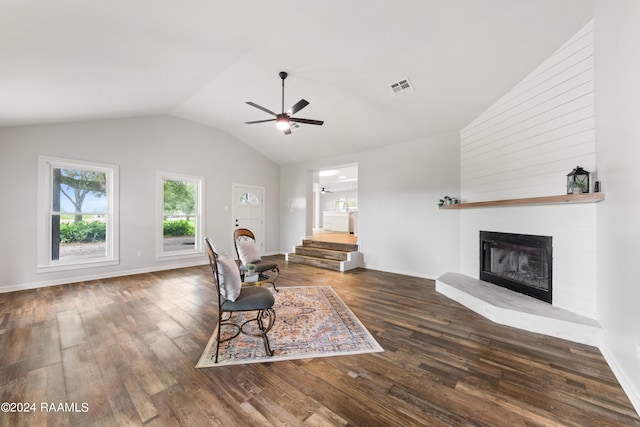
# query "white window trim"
(198, 250)
(45, 166)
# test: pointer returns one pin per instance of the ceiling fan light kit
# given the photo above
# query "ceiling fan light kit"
(284, 120)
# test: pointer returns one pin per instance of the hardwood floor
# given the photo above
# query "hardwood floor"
(333, 236)
(123, 352)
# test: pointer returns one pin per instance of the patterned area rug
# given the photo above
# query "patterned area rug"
(310, 322)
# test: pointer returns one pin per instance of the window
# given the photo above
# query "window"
(78, 215)
(249, 198)
(180, 202)
(344, 205)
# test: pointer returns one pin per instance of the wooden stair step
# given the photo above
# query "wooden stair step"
(322, 253)
(345, 247)
(329, 264)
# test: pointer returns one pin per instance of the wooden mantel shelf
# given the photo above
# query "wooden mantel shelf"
(546, 200)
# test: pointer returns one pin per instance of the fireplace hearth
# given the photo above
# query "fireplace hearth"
(520, 262)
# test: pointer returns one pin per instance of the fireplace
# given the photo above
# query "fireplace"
(520, 262)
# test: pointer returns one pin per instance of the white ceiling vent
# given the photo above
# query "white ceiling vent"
(403, 86)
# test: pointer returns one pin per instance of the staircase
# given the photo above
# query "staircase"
(329, 255)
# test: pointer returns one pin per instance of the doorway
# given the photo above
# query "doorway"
(335, 204)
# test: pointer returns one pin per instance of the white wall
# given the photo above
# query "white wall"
(400, 228)
(140, 146)
(524, 146)
(618, 149)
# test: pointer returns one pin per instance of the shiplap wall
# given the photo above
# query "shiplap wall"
(526, 143)
(524, 146)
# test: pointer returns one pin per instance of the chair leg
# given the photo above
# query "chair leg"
(226, 322)
(218, 341)
(273, 282)
(270, 314)
(264, 327)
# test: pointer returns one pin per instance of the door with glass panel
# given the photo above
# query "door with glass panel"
(248, 211)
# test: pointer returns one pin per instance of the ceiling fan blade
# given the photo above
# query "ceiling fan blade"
(297, 107)
(287, 131)
(260, 121)
(306, 121)
(259, 107)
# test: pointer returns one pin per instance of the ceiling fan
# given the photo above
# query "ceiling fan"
(284, 119)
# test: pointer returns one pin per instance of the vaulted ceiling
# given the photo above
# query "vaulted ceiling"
(74, 60)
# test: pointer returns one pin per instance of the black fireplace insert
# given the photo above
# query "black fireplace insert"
(520, 262)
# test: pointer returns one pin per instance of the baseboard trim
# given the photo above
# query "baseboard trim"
(402, 272)
(625, 382)
(86, 278)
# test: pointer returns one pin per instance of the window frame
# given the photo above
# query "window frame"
(46, 165)
(198, 249)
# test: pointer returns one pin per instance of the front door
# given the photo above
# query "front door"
(248, 211)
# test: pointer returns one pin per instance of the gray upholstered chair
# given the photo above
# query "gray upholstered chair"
(244, 298)
(246, 249)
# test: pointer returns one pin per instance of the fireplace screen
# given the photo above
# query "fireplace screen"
(519, 262)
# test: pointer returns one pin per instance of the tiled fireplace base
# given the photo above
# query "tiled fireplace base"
(510, 308)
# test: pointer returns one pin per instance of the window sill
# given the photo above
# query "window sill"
(76, 265)
(178, 256)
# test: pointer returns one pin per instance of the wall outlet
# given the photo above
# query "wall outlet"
(439, 259)
(139, 252)
(638, 350)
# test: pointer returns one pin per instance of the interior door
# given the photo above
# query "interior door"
(248, 211)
